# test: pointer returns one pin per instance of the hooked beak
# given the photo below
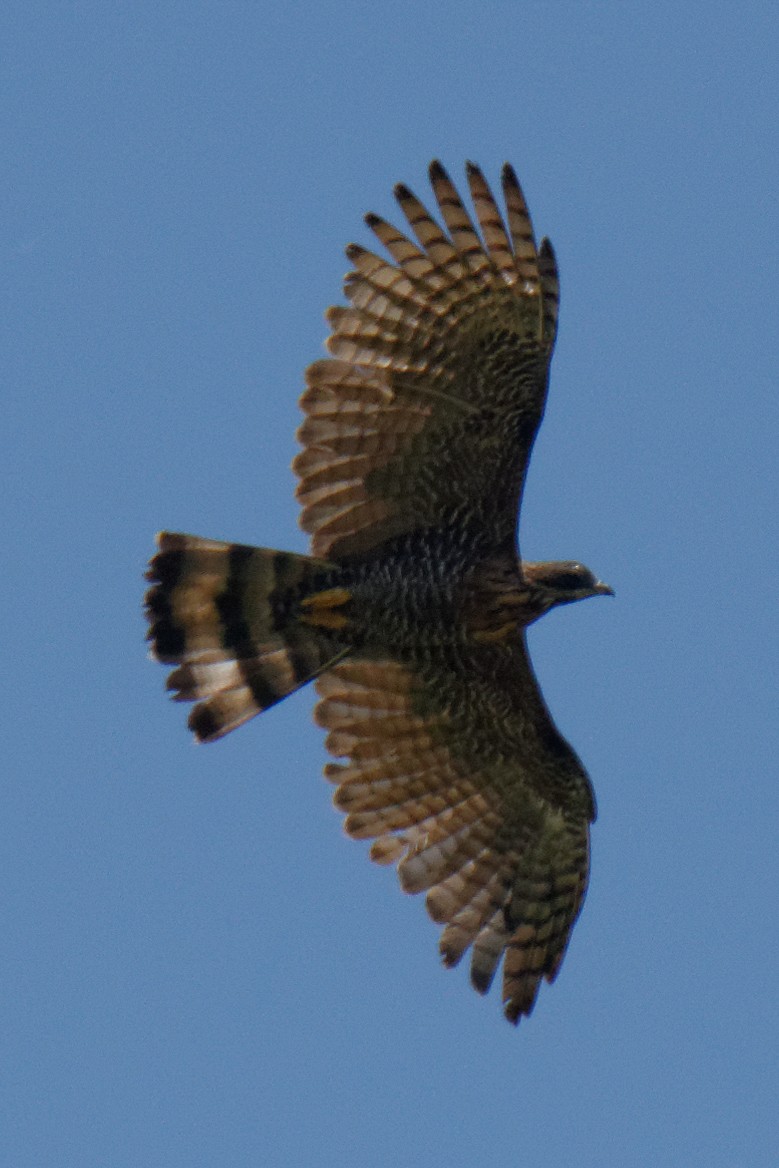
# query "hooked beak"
(602, 589)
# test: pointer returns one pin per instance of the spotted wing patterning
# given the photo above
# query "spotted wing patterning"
(411, 612)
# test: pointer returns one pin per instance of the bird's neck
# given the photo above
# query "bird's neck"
(501, 602)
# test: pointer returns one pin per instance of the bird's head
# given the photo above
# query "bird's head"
(564, 581)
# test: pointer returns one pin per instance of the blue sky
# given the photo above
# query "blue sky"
(198, 969)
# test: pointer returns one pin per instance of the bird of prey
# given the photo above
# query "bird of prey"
(410, 613)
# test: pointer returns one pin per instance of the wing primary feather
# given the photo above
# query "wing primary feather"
(491, 223)
(550, 288)
(459, 224)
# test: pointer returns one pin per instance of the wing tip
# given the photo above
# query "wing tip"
(353, 251)
(509, 175)
(515, 1009)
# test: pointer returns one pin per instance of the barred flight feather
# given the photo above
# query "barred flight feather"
(390, 393)
(444, 829)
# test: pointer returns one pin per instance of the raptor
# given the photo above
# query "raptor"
(410, 613)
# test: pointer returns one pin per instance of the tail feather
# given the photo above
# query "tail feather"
(238, 624)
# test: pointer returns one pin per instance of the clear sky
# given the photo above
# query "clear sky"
(197, 968)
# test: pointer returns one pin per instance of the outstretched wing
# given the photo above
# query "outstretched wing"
(459, 775)
(427, 412)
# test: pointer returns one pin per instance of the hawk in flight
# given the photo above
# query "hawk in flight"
(410, 613)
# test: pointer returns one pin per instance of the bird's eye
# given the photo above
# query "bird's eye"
(567, 581)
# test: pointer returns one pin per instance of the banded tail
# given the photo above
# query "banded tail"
(245, 626)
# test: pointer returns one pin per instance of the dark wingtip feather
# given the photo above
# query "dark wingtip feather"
(509, 175)
(545, 248)
(480, 980)
(514, 1011)
(449, 956)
